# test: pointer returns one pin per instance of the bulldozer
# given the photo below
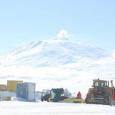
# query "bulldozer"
(100, 93)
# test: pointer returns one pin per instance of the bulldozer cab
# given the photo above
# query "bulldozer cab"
(100, 83)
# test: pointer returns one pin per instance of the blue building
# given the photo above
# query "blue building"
(26, 91)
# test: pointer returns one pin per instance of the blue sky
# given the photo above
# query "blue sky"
(91, 21)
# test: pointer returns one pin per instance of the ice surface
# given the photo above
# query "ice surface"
(39, 108)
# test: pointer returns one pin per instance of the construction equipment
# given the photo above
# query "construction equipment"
(55, 95)
(101, 92)
(46, 94)
(45, 97)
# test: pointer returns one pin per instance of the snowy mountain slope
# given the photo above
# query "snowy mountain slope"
(53, 52)
(57, 63)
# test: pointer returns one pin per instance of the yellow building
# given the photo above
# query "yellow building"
(11, 85)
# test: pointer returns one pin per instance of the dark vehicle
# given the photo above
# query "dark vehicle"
(57, 94)
(45, 97)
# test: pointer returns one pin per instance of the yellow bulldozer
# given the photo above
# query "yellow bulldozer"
(101, 93)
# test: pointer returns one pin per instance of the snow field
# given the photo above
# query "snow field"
(39, 108)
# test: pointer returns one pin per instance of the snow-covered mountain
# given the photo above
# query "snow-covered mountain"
(57, 63)
(51, 53)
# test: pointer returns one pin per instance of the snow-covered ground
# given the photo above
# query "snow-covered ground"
(39, 108)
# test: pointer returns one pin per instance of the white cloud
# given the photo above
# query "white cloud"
(63, 34)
